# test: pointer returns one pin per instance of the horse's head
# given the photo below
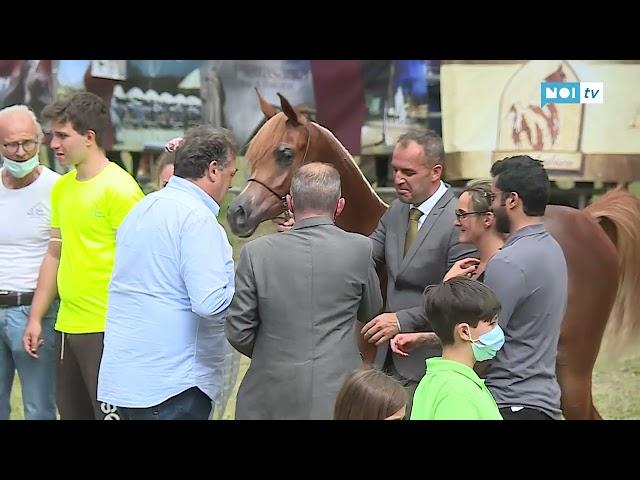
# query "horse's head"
(277, 150)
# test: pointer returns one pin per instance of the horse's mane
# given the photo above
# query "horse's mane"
(348, 156)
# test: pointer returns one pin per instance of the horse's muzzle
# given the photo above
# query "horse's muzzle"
(239, 219)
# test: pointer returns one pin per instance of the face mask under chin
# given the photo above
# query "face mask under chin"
(21, 169)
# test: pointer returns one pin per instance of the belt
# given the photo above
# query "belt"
(15, 299)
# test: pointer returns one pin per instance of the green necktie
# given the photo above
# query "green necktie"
(412, 229)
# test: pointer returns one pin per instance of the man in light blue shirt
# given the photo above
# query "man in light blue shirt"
(172, 283)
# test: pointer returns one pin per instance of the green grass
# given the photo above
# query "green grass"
(616, 386)
(616, 389)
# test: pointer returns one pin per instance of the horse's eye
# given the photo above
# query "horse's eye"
(285, 154)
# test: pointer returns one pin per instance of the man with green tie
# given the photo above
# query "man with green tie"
(417, 242)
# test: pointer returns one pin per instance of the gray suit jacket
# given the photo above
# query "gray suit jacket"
(297, 298)
(434, 251)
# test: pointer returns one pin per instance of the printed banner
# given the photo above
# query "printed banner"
(493, 110)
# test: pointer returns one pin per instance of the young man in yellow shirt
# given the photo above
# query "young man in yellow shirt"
(463, 314)
(88, 204)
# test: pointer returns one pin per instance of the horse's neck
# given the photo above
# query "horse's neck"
(363, 207)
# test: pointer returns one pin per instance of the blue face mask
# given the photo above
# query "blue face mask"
(21, 169)
(488, 344)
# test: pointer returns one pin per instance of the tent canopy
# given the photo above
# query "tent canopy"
(191, 81)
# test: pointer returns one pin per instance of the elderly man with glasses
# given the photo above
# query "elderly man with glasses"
(25, 208)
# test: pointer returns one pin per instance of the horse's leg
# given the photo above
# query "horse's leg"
(576, 400)
(593, 277)
(577, 357)
(578, 348)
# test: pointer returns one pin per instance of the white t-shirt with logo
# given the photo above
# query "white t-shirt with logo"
(25, 228)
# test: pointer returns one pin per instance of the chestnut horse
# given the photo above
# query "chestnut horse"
(601, 243)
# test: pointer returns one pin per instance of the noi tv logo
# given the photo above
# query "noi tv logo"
(571, 92)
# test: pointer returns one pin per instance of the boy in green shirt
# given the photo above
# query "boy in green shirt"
(463, 314)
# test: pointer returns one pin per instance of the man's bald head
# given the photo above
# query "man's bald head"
(315, 187)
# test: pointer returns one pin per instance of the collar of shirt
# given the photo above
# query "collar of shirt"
(192, 189)
(535, 229)
(313, 222)
(436, 364)
(426, 206)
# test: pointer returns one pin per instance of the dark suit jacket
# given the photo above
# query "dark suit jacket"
(434, 251)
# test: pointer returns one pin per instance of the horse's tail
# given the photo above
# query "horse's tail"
(618, 213)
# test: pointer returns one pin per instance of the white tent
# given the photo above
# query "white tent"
(180, 99)
(191, 81)
(136, 93)
(152, 96)
(191, 100)
(166, 97)
(118, 92)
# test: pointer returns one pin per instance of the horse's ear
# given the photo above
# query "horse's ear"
(268, 109)
(294, 117)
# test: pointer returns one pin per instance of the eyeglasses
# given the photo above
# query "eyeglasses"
(461, 214)
(29, 146)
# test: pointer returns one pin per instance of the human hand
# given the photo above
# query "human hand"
(172, 144)
(31, 340)
(462, 268)
(403, 343)
(284, 224)
(381, 329)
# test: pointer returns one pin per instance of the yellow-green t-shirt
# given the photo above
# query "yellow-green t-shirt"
(451, 390)
(88, 213)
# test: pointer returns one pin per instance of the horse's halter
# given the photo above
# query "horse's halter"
(283, 198)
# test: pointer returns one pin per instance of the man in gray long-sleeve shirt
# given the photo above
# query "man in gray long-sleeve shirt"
(529, 276)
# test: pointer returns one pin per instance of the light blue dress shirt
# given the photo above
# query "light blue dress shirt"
(172, 282)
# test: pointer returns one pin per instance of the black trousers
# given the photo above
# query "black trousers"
(524, 414)
(77, 364)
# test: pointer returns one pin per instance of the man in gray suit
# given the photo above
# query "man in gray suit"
(417, 242)
(301, 300)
